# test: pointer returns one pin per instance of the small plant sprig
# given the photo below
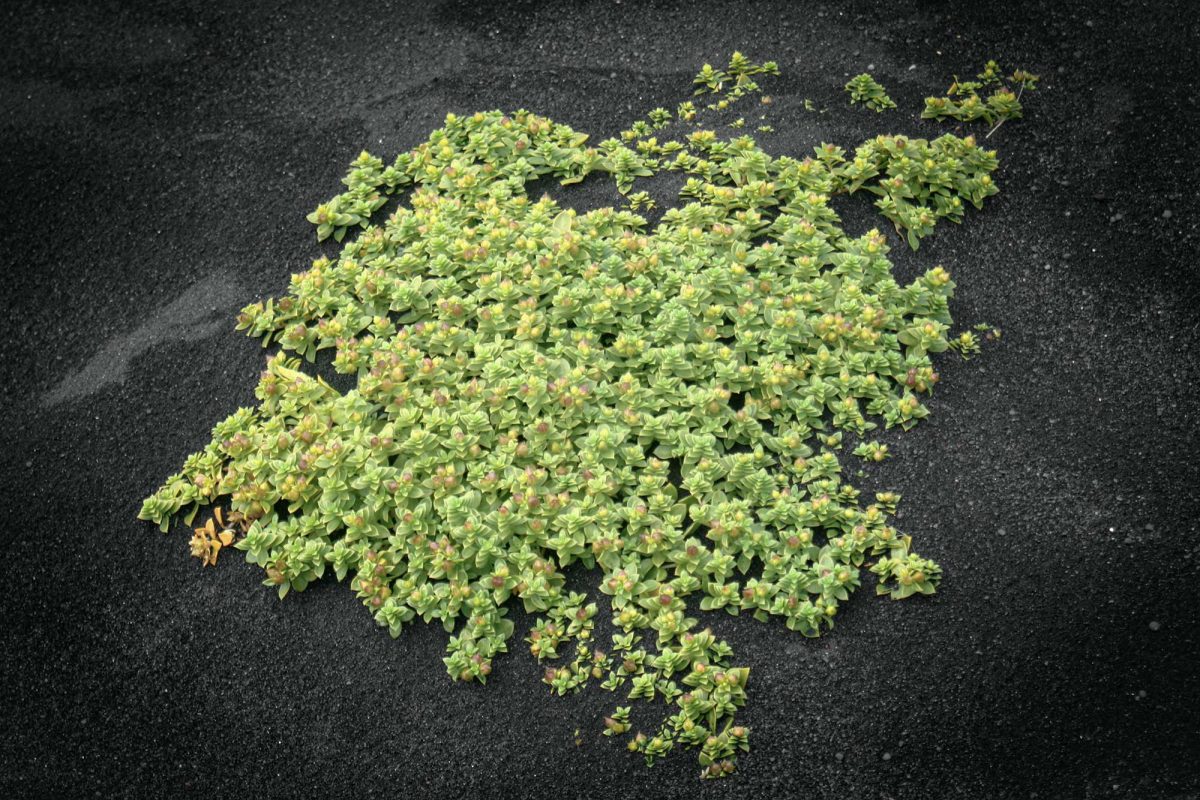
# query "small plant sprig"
(739, 72)
(640, 200)
(968, 343)
(866, 90)
(538, 388)
(964, 102)
(872, 451)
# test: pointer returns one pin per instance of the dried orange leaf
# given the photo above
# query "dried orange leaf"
(226, 537)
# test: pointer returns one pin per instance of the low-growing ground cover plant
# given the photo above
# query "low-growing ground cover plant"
(868, 91)
(538, 388)
(963, 101)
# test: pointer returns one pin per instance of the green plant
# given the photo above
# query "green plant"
(740, 72)
(964, 103)
(866, 90)
(918, 182)
(872, 451)
(538, 388)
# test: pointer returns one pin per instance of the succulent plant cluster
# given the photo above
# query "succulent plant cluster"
(538, 388)
(740, 73)
(866, 90)
(919, 182)
(963, 101)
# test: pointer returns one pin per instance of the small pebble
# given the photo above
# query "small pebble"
(887, 756)
(1167, 214)
(1155, 625)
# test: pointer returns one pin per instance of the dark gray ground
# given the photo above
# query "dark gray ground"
(157, 165)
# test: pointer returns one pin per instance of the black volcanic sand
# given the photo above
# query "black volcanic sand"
(157, 166)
